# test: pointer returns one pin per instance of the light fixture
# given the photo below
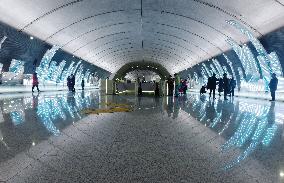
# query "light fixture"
(31, 37)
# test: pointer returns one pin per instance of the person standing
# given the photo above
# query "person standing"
(170, 85)
(83, 84)
(69, 83)
(35, 82)
(72, 83)
(220, 86)
(157, 90)
(226, 86)
(273, 86)
(233, 86)
(211, 85)
(184, 86)
(177, 84)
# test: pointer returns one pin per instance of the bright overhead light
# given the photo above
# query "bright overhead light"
(31, 37)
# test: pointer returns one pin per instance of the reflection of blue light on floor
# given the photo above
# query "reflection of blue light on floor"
(253, 124)
(50, 109)
(17, 117)
(44, 112)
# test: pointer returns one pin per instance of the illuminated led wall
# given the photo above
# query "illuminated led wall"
(53, 66)
(251, 63)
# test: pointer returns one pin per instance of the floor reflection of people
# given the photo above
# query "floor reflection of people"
(176, 108)
(35, 100)
(271, 114)
(71, 100)
(83, 94)
(170, 107)
(210, 111)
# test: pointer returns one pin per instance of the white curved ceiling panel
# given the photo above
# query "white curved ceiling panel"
(111, 33)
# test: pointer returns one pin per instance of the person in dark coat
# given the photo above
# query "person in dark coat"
(72, 83)
(170, 85)
(69, 83)
(233, 86)
(35, 82)
(220, 86)
(226, 86)
(157, 90)
(273, 86)
(211, 85)
(83, 84)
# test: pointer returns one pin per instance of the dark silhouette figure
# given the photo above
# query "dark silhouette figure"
(83, 84)
(184, 86)
(273, 86)
(139, 89)
(233, 86)
(211, 85)
(226, 86)
(157, 90)
(220, 86)
(35, 82)
(202, 90)
(72, 83)
(69, 83)
(170, 85)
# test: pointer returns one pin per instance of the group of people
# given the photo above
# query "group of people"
(177, 84)
(225, 85)
(71, 83)
(228, 86)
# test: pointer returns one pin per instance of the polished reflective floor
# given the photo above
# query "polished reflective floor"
(47, 138)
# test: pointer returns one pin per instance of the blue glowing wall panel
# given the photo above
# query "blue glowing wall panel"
(19, 46)
(272, 42)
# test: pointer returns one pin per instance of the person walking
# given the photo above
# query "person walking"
(83, 84)
(211, 85)
(226, 86)
(273, 86)
(35, 82)
(177, 84)
(170, 82)
(233, 86)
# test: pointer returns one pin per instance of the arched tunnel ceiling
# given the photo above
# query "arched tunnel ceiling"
(112, 33)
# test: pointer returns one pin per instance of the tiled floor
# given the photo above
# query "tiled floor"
(46, 138)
